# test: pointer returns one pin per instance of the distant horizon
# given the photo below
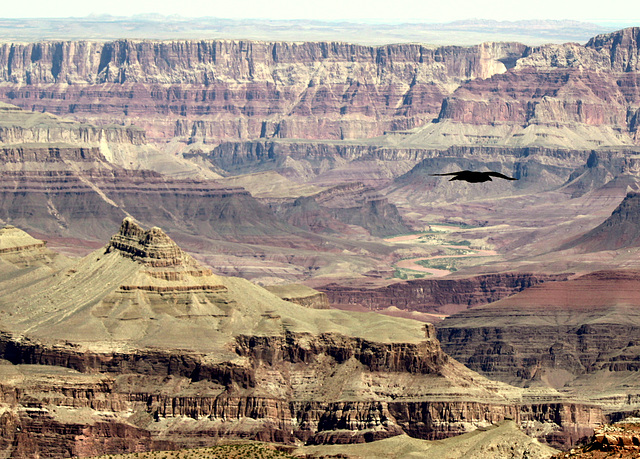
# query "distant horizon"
(464, 32)
(391, 21)
(397, 11)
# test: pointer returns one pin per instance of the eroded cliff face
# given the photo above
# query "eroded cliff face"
(159, 400)
(571, 334)
(138, 347)
(552, 93)
(210, 90)
(435, 295)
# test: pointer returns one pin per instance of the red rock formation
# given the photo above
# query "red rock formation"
(553, 332)
(558, 85)
(618, 231)
(430, 295)
(244, 89)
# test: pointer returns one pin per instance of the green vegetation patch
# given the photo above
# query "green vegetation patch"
(243, 451)
(406, 274)
(463, 243)
(449, 264)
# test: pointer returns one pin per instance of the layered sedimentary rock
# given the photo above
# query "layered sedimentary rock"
(68, 184)
(208, 90)
(557, 95)
(345, 209)
(554, 334)
(161, 353)
(19, 250)
(301, 294)
(618, 231)
(435, 295)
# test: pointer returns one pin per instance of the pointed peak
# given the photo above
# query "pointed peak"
(151, 247)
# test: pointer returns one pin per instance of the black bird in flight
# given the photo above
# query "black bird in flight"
(475, 176)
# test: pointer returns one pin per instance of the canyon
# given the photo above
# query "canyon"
(90, 363)
(305, 168)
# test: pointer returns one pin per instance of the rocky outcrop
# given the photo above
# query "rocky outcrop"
(621, 439)
(618, 231)
(152, 247)
(20, 250)
(14, 240)
(157, 407)
(301, 294)
(433, 295)
(245, 89)
(552, 333)
(340, 209)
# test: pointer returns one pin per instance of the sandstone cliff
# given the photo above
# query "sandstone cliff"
(207, 90)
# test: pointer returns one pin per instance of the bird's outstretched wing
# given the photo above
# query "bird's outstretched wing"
(502, 176)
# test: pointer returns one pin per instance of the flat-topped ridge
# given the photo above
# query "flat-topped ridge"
(13, 239)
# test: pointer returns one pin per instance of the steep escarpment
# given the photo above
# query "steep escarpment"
(18, 126)
(556, 95)
(115, 142)
(435, 295)
(557, 334)
(216, 89)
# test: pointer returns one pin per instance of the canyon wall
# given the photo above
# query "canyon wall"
(591, 88)
(216, 89)
(153, 400)
(431, 295)
(553, 333)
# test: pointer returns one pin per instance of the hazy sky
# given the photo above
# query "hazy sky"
(620, 11)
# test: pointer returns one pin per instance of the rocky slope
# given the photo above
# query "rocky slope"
(619, 231)
(138, 347)
(577, 334)
(343, 209)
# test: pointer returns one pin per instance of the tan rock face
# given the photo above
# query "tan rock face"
(13, 239)
(165, 360)
(153, 248)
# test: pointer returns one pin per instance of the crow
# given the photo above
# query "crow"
(475, 176)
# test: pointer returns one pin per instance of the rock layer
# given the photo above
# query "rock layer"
(436, 295)
(173, 361)
(208, 90)
(553, 333)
